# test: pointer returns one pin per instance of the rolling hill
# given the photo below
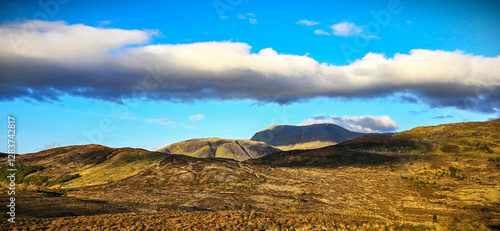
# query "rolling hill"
(220, 148)
(473, 138)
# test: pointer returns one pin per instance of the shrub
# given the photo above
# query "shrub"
(453, 171)
(494, 159)
(449, 148)
(62, 179)
(22, 171)
(486, 149)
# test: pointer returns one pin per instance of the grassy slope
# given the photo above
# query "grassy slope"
(221, 148)
(477, 138)
(95, 163)
(472, 138)
(307, 145)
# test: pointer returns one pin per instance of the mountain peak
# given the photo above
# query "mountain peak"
(288, 137)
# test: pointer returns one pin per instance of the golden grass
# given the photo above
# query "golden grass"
(123, 165)
(307, 145)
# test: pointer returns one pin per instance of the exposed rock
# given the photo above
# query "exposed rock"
(287, 137)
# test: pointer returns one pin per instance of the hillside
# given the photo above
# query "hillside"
(467, 137)
(474, 138)
(74, 166)
(324, 189)
(220, 148)
(288, 137)
(374, 182)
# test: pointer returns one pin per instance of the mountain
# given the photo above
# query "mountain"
(288, 137)
(476, 138)
(220, 148)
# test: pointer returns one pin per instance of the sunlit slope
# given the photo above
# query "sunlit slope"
(220, 148)
(473, 138)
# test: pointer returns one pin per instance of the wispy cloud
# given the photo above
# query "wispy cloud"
(161, 121)
(158, 146)
(321, 32)
(229, 71)
(107, 22)
(240, 16)
(365, 124)
(50, 145)
(126, 117)
(197, 117)
(443, 117)
(307, 22)
(143, 146)
(371, 36)
(251, 18)
(346, 29)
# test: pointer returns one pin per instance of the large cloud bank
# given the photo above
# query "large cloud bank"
(45, 60)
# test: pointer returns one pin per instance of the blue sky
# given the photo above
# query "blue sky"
(231, 68)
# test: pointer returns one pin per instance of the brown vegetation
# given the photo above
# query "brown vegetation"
(407, 184)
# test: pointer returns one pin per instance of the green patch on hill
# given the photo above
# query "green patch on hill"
(20, 173)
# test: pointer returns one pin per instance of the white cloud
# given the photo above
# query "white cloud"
(364, 124)
(196, 117)
(321, 32)
(50, 145)
(139, 146)
(76, 60)
(158, 146)
(371, 36)
(346, 29)
(163, 121)
(107, 22)
(307, 22)
(252, 20)
(75, 42)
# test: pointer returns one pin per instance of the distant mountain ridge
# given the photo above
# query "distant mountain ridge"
(240, 150)
(287, 137)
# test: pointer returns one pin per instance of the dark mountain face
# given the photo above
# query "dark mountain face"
(285, 135)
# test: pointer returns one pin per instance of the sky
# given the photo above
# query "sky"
(148, 74)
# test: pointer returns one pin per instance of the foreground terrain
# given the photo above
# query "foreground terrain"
(370, 183)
